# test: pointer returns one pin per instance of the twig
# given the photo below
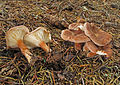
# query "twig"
(53, 77)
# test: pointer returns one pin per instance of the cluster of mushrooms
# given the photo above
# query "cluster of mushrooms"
(20, 37)
(95, 40)
(90, 37)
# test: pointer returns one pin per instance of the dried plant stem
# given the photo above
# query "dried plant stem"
(53, 77)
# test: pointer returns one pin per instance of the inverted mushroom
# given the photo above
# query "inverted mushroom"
(14, 39)
(38, 38)
(98, 36)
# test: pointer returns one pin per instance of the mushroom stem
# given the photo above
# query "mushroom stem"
(90, 54)
(77, 46)
(44, 46)
(24, 50)
(85, 48)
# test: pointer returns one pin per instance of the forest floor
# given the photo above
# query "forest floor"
(65, 65)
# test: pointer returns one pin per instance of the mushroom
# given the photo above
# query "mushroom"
(14, 39)
(79, 37)
(106, 50)
(94, 38)
(38, 38)
(90, 46)
(78, 46)
(78, 26)
(67, 34)
(90, 54)
(75, 34)
(103, 50)
(98, 36)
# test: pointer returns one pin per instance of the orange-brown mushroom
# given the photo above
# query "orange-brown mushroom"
(98, 36)
(79, 26)
(67, 34)
(93, 37)
(107, 50)
(90, 54)
(38, 38)
(90, 46)
(94, 50)
(76, 36)
(14, 39)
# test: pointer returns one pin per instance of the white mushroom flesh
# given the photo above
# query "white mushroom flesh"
(101, 53)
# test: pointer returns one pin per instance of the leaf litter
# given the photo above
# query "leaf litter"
(64, 65)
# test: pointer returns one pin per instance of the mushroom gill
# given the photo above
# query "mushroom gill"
(38, 38)
(14, 39)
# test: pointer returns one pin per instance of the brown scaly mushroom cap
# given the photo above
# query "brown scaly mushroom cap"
(38, 38)
(14, 34)
(76, 36)
(98, 36)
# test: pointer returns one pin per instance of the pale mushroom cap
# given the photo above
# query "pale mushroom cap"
(14, 34)
(34, 38)
(98, 36)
